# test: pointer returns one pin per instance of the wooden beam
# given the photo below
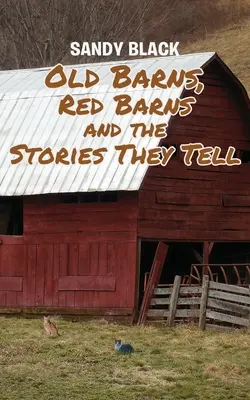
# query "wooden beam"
(203, 306)
(205, 257)
(174, 300)
(153, 280)
(211, 245)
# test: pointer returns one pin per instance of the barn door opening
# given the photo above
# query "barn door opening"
(179, 259)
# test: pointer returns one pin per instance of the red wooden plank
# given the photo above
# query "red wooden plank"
(7, 239)
(188, 199)
(10, 283)
(41, 208)
(103, 259)
(78, 226)
(87, 283)
(63, 261)
(56, 271)
(40, 270)
(236, 201)
(192, 235)
(84, 259)
(112, 258)
(12, 257)
(83, 298)
(94, 258)
(29, 280)
(153, 279)
(70, 298)
(48, 275)
(73, 259)
(102, 270)
(127, 274)
(2, 299)
(72, 270)
(94, 270)
(103, 217)
(11, 299)
(88, 237)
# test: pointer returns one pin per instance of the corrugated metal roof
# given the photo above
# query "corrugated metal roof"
(28, 114)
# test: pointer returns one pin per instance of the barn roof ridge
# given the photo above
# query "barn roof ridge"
(28, 115)
(130, 60)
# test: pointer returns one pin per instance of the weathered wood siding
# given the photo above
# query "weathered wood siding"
(73, 256)
(177, 202)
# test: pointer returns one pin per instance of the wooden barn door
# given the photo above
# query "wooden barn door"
(153, 280)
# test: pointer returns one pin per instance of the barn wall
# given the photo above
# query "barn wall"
(201, 203)
(74, 256)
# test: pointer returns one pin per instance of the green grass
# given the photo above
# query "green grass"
(179, 363)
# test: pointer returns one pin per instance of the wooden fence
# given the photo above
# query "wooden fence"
(213, 305)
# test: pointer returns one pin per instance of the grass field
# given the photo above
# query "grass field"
(179, 363)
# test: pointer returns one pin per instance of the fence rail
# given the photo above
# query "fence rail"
(213, 305)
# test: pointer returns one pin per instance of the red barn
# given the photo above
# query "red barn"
(81, 239)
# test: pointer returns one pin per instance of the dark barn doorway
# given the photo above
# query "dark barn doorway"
(182, 255)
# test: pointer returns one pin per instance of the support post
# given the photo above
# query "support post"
(174, 300)
(203, 307)
(205, 257)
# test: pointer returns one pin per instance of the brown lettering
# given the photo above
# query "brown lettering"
(167, 154)
(189, 150)
(98, 153)
(16, 151)
(61, 154)
(84, 153)
(71, 82)
(186, 104)
(89, 83)
(44, 153)
(173, 80)
(204, 156)
(141, 79)
(65, 104)
(121, 78)
(123, 148)
(32, 152)
(157, 78)
(230, 161)
(58, 69)
(215, 157)
(154, 156)
(123, 106)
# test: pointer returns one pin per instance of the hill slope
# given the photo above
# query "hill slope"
(232, 44)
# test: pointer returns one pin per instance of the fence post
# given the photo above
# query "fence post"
(174, 300)
(249, 311)
(204, 297)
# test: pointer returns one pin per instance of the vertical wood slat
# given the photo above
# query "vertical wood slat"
(174, 300)
(154, 278)
(203, 306)
(205, 257)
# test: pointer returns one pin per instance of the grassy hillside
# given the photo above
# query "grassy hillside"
(169, 364)
(232, 43)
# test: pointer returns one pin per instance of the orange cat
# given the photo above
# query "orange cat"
(49, 327)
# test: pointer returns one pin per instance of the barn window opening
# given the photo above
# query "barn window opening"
(91, 197)
(11, 216)
(245, 156)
